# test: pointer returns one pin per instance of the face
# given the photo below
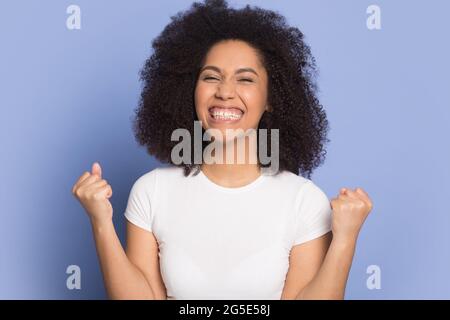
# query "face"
(231, 90)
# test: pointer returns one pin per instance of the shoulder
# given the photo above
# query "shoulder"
(303, 189)
(306, 189)
(290, 180)
(159, 174)
(313, 191)
(147, 178)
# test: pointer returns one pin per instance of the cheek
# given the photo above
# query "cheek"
(202, 95)
(203, 91)
(255, 101)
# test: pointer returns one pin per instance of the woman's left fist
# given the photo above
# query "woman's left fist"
(350, 210)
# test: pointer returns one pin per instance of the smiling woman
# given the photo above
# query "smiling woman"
(228, 230)
(250, 59)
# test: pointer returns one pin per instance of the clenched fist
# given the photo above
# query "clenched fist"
(350, 210)
(93, 192)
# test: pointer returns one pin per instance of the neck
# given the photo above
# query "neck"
(233, 174)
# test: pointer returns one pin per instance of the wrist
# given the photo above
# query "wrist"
(344, 240)
(101, 224)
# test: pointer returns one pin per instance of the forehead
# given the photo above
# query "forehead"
(233, 54)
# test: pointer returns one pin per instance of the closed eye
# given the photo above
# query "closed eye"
(244, 79)
(210, 78)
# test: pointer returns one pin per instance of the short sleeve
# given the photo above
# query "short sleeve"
(313, 215)
(139, 205)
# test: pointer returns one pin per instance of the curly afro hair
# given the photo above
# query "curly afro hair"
(170, 75)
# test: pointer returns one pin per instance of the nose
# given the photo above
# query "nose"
(225, 90)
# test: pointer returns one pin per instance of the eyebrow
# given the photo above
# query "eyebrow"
(214, 68)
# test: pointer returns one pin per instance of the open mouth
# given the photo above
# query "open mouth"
(225, 114)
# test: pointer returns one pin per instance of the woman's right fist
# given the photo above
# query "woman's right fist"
(93, 192)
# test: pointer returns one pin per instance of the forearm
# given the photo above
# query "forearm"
(122, 279)
(331, 279)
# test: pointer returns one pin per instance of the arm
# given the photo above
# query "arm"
(319, 268)
(331, 278)
(350, 209)
(122, 279)
(143, 252)
(304, 262)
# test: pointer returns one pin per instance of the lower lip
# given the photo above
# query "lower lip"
(214, 120)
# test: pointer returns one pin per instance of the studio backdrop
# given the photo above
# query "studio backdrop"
(69, 85)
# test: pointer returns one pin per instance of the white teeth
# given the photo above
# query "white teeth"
(225, 115)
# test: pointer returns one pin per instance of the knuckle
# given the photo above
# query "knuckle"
(78, 193)
(96, 196)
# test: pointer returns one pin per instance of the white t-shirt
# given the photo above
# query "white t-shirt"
(217, 242)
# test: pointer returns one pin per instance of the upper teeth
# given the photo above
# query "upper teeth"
(226, 114)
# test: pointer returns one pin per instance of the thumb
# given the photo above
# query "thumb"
(96, 169)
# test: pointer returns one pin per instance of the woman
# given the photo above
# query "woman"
(213, 230)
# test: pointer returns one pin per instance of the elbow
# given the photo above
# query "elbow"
(304, 295)
(125, 295)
